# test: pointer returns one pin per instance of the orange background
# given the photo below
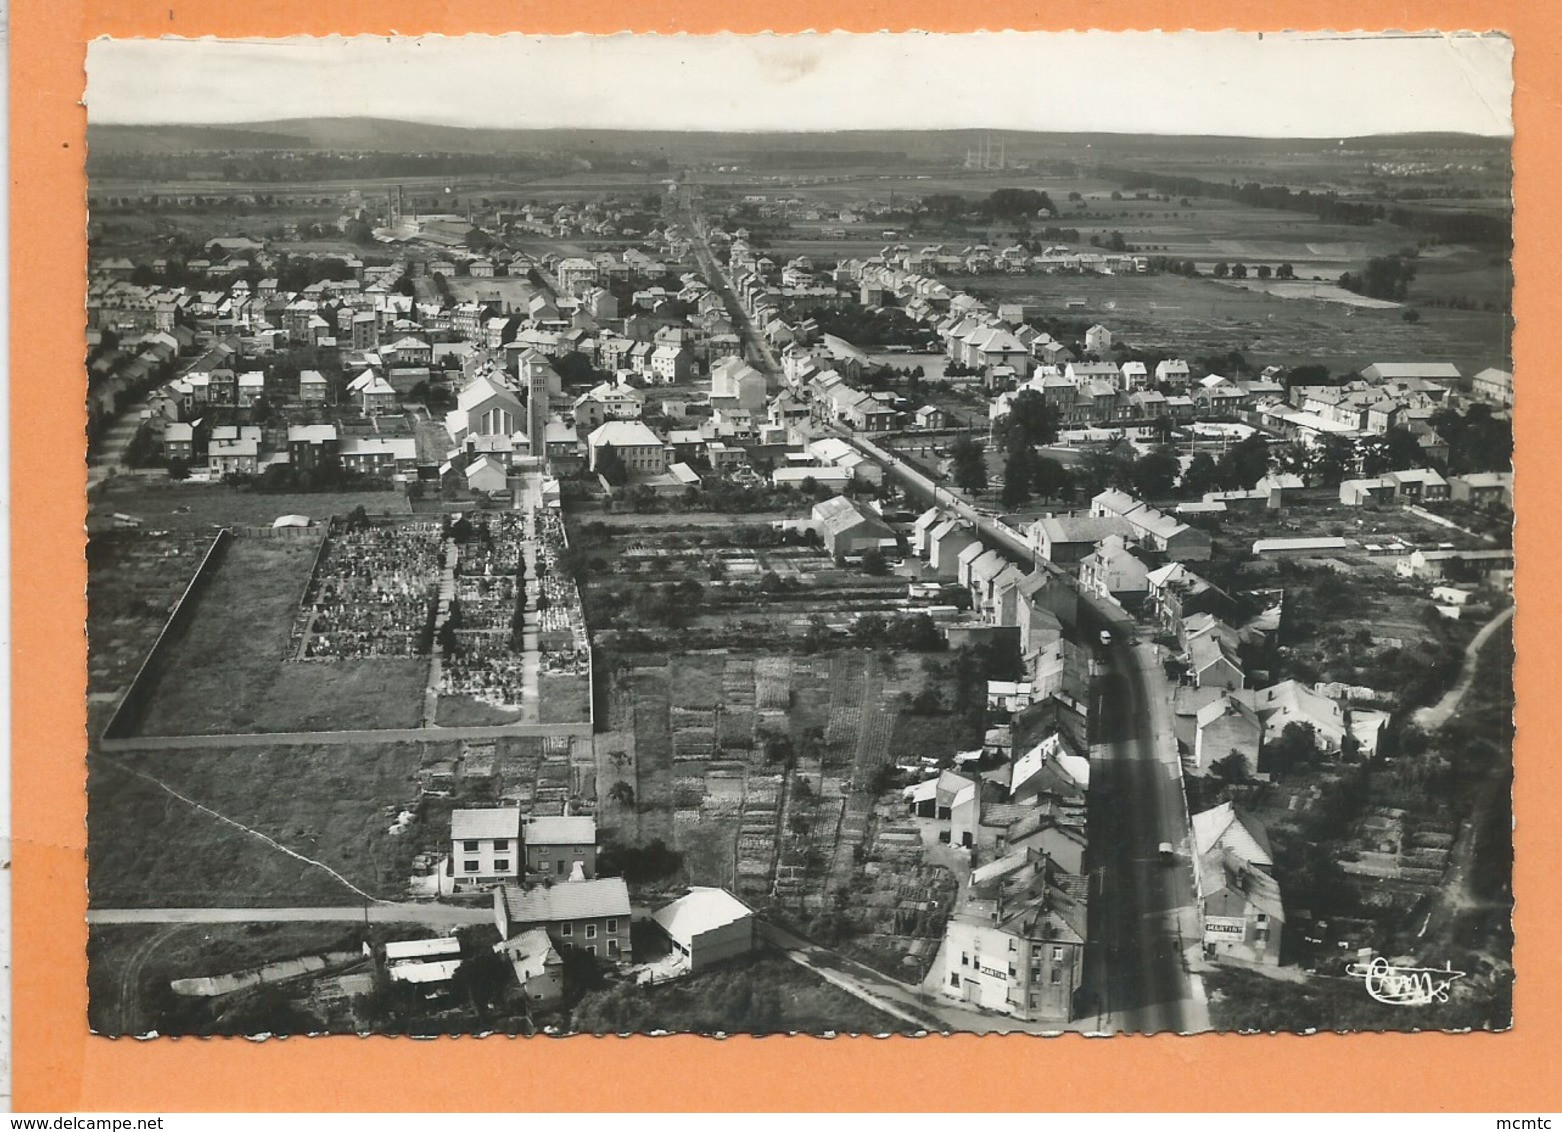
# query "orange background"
(59, 1066)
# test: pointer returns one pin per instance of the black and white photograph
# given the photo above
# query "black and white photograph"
(825, 534)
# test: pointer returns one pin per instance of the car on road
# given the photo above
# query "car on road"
(1166, 853)
(1106, 636)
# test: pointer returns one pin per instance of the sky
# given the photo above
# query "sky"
(1264, 85)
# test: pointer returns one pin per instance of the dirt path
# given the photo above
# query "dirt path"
(1431, 718)
(383, 912)
(128, 1014)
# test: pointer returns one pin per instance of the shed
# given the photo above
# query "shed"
(708, 925)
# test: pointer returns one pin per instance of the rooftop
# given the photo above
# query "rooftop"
(502, 822)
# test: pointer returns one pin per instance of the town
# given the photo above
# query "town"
(997, 590)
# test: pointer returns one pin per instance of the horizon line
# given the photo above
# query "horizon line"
(258, 122)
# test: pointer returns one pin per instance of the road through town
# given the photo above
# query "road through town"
(1144, 925)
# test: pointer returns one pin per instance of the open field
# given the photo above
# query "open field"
(202, 507)
(564, 699)
(469, 711)
(332, 804)
(229, 672)
(135, 580)
(1197, 316)
(514, 292)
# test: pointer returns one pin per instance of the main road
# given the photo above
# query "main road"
(716, 276)
(1143, 933)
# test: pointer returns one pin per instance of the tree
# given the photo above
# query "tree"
(1296, 746)
(610, 466)
(639, 864)
(178, 468)
(1263, 271)
(1244, 463)
(1201, 475)
(1019, 471)
(1285, 271)
(485, 978)
(1232, 769)
(1050, 479)
(1220, 270)
(622, 794)
(873, 562)
(969, 464)
(1331, 460)
(1411, 315)
(1154, 474)
(1239, 271)
(1030, 421)
(1393, 451)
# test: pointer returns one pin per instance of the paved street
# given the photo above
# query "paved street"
(1144, 930)
(1144, 927)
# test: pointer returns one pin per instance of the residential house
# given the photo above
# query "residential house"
(538, 967)
(1172, 372)
(1016, 944)
(561, 848)
(1212, 664)
(378, 455)
(848, 527)
(1291, 701)
(946, 542)
(1418, 484)
(1243, 913)
(591, 915)
(1112, 571)
(1227, 726)
(313, 387)
(487, 473)
(251, 387)
(1489, 490)
(233, 450)
(1065, 539)
(485, 845)
(1493, 385)
(378, 396)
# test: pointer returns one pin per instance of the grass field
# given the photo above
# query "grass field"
(564, 699)
(469, 711)
(227, 673)
(332, 804)
(1196, 316)
(200, 507)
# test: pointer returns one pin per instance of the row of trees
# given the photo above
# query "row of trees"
(1222, 270)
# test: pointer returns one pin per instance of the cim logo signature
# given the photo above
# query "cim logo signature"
(1404, 986)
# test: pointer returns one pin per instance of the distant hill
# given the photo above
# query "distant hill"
(391, 136)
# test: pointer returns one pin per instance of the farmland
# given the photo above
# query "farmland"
(1196, 316)
(766, 768)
